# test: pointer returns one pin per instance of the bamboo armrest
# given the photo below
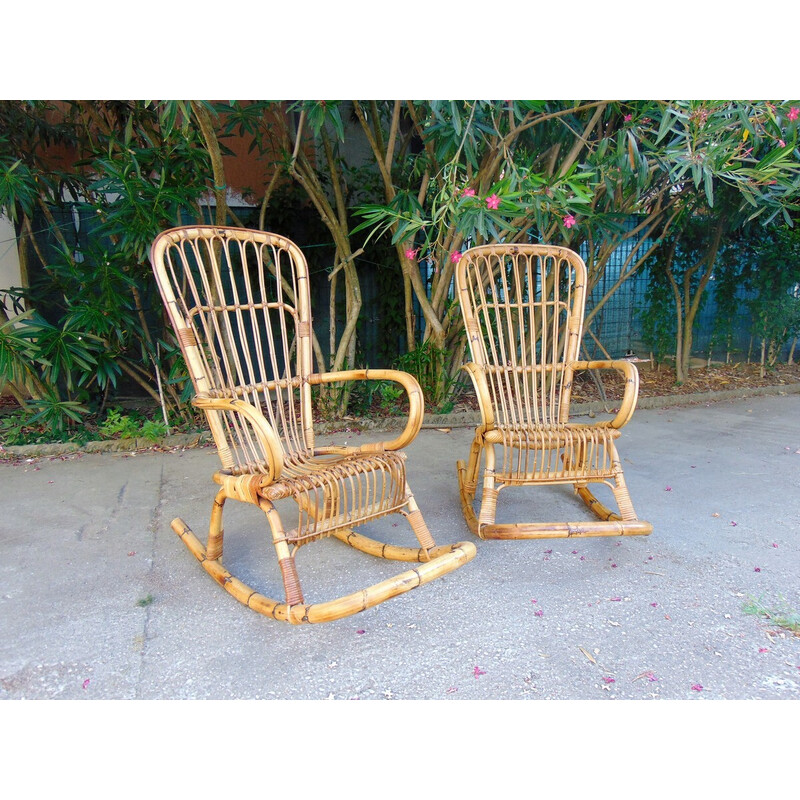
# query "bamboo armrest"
(630, 395)
(265, 433)
(415, 401)
(481, 391)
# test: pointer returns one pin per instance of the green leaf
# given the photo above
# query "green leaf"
(708, 185)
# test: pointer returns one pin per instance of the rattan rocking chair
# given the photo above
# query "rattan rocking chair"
(239, 302)
(523, 308)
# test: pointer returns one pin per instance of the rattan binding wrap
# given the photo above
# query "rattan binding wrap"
(239, 303)
(523, 308)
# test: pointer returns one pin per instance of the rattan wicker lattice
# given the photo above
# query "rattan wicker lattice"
(239, 302)
(523, 308)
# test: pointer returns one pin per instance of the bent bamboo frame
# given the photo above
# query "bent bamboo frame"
(239, 302)
(523, 308)
(448, 559)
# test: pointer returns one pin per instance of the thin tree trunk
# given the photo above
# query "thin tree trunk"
(206, 123)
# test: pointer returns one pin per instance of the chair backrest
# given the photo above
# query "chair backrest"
(523, 309)
(239, 302)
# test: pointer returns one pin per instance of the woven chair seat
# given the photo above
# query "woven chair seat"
(338, 491)
(557, 435)
(552, 453)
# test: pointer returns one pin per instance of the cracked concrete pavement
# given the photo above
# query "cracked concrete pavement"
(100, 600)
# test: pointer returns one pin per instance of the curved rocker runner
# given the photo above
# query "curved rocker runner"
(239, 301)
(523, 308)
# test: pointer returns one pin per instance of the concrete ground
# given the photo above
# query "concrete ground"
(99, 599)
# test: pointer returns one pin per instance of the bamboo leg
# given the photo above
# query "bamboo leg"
(291, 582)
(490, 491)
(215, 531)
(468, 483)
(417, 522)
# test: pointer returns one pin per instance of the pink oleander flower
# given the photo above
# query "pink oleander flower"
(493, 201)
(569, 221)
(793, 113)
(781, 143)
(468, 192)
(456, 257)
(628, 117)
(411, 253)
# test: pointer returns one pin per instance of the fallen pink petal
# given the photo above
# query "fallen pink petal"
(607, 679)
(763, 649)
(655, 605)
(667, 488)
(697, 687)
(734, 523)
(538, 613)
(86, 683)
(451, 690)
(615, 599)
(478, 671)
(757, 569)
(360, 632)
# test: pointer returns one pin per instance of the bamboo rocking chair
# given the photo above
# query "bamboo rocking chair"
(239, 302)
(523, 308)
